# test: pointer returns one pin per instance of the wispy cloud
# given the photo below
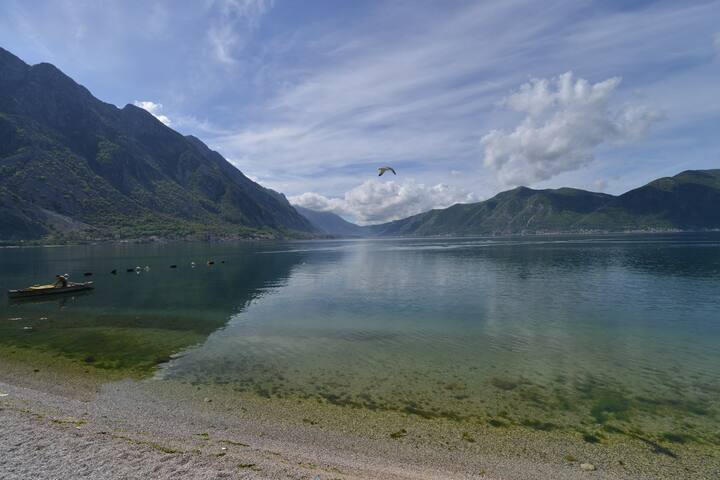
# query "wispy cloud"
(428, 95)
(234, 23)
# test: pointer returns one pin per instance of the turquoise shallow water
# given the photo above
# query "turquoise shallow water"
(612, 335)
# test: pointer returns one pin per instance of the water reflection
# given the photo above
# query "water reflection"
(550, 335)
(132, 321)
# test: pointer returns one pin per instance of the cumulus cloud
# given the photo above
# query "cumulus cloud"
(155, 109)
(375, 201)
(565, 120)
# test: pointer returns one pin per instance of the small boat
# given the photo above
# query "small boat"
(38, 290)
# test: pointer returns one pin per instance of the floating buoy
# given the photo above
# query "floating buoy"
(88, 274)
(114, 272)
(173, 266)
(192, 264)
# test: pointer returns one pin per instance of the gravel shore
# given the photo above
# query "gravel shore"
(61, 427)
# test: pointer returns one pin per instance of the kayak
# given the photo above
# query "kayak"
(38, 290)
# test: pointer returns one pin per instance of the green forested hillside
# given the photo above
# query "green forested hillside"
(72, 166)
(687, 201)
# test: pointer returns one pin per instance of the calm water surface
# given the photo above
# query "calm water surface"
(612, 335)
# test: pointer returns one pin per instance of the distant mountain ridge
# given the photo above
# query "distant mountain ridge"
(72, 166)
(331, 223)
(687, 201)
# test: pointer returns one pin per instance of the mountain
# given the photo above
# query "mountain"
(687, 201)
(330, 223)
(72, 166)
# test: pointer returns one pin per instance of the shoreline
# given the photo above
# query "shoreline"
(164, 429)
(223, 240)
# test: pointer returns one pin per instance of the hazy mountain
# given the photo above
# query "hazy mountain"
(332, 224)
(73, 166)
(687, 201)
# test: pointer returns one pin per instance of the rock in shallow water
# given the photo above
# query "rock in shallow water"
(587, 467)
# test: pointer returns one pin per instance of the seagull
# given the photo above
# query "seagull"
(382, 170)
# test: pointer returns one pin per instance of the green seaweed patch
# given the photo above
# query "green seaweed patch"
(234, 443)
(655, 447)
(506, 384)
(538, 425)
(563, 403)
(609, 403)
(675, 437)
(707, 387)
(153, 445)
(62, 421)
(494, 422)
(342, 401)
(612, 429)
(399, 434)
(135, 351)
(532, 395)
(414, 409)
(591, 438)
(454, 387)
(689, 406)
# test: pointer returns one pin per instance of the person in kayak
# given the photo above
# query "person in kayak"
(60, 281)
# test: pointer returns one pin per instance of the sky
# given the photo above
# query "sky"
(463, 98)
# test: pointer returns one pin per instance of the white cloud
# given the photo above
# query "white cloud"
(376, 201)
(565, 120)
(153, 108)
(237, 19)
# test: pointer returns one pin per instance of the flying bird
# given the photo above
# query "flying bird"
(382, 170)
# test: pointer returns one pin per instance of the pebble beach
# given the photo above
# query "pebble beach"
(59, 424)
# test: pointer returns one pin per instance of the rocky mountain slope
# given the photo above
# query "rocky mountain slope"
(72, 166)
